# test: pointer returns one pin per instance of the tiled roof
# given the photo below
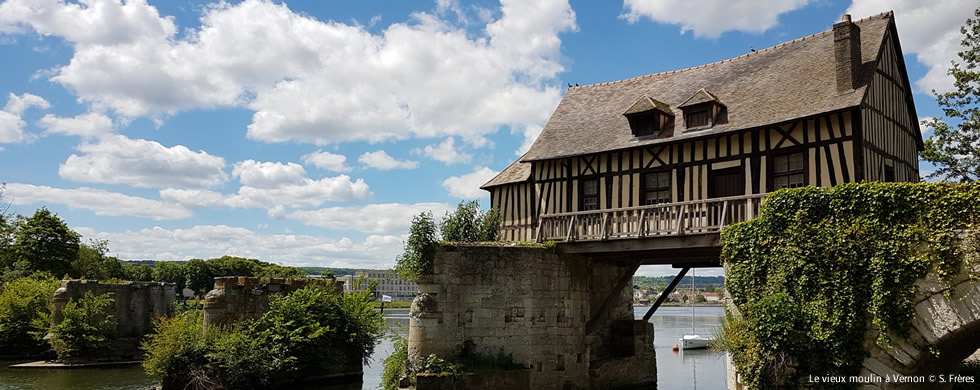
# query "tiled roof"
(701, 96)
(788, 81)
(647, 103)
(516, 172)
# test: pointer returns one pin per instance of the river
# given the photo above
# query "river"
(683, 370)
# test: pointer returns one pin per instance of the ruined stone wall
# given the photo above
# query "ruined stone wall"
(534, 304)
(237, 297)
(135, 304)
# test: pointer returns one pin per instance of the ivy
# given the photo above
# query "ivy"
(818, 264)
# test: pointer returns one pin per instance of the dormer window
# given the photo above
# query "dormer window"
(703, 110)
(650, 118)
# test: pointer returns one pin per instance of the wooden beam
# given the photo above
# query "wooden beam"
(663, 296)
(623, 281)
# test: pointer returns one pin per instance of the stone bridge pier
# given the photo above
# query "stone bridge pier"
(566, 318)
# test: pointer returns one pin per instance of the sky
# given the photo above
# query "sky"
(308, 133)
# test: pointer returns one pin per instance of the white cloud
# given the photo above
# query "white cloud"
(304, 193)
(18, 104)
(100, 202)
(209, 241)
(531, 133)
(930, 30)
(327, 161)
(445, 152)
(709, 19)
(381, 160)
(11, 125)
(89, 125)
(308, 80)
(467, 186)
(142, 163)
(268, 174)
(87, 22)
(309, 193)
(386, 218)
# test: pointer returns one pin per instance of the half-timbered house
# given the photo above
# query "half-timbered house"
(710, 141)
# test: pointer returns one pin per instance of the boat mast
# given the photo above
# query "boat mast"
(692, 302)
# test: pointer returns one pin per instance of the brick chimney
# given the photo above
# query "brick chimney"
(847, 52)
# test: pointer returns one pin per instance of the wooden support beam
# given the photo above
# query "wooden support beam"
(623, 281)
(663, 296)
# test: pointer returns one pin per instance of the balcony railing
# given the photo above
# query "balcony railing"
(665, 219)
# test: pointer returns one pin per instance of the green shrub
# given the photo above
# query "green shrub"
(818, 264)
(313, 329)
(24, 307)
(395, 366)
(419, 249)
(85, 327)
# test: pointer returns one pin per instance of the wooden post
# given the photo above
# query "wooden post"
(663, 296)
(602, 230)
(639, 232)
(724, 211)
(570, 225)
(680, 220)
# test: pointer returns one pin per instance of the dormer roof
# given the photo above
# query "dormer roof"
(701, 96)
(646, 104)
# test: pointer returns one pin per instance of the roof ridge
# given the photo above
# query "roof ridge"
(797, 40)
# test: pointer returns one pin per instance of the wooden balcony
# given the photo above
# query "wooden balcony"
(667, 233)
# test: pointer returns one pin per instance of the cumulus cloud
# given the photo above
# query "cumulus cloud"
(531, 133)
(930, 30)
(468, 186)
(210, 241)
(143, 163)
(309, 80)
(381, 160)
(268, 174)
(89, 125)
(386, 218)
(709, 19)
(100, 202)
(446, 152)
(273, 192)
(11, 124)
(327, 161)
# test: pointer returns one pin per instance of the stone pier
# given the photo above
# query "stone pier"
(534, 304)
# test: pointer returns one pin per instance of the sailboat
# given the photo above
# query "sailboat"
(694, 340)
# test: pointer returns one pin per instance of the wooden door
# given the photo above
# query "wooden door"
(726, 182)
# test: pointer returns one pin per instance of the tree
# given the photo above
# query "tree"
(956, 150)
(419, 249)
(170, 272)
(46, 243)
(470, 224)
(85, 327)
(93, 262)
(7, 229)
(24, 303)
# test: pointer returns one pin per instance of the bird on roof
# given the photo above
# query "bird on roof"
(752, 48)
(569, 85)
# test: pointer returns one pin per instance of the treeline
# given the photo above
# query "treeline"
(699, 281)
(42, 246)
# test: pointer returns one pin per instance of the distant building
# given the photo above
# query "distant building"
(712, 297)
(388, 284)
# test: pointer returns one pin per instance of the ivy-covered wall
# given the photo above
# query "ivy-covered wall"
(818, 265)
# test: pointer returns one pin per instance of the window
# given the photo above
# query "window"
(697, 118)
(787, 171)
(590, 194)
(656, 188)
(889, 173)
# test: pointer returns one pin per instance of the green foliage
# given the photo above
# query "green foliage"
(85, 327)
(466, 224)
(395, 366)
(956, 151)
(93, 262)
(469, 224)
(436, 365)
(303, 333)
(177, 351)
(170, 272)
(24, 304)
(199, 274)
(46, 243)
(817, 264)
(419, 249)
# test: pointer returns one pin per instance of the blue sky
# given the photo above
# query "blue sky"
(308, 133)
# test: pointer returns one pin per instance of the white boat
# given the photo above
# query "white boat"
(693, 340)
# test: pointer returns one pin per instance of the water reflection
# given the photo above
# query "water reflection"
(695, 369)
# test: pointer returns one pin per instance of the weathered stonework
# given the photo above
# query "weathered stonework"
(533, 303)
(237, 297)
(134, 306)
